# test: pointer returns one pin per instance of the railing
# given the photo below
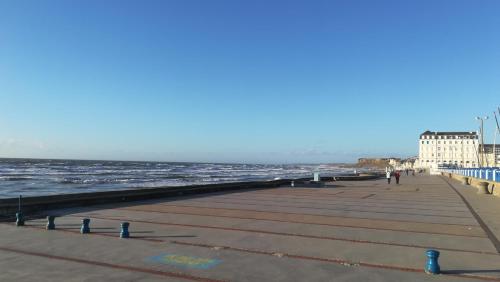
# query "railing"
(486, 173)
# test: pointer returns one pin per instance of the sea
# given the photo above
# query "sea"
(37, 177)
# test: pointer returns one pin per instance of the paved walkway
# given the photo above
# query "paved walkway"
(349, 231)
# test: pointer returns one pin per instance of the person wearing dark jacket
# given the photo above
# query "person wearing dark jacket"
(397, 175)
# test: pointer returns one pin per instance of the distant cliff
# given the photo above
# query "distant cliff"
(375, 162)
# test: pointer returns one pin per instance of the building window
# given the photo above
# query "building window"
(422, 142)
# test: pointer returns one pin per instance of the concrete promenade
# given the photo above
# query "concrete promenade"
(347, 231)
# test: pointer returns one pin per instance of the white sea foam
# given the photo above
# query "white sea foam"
(47, 177)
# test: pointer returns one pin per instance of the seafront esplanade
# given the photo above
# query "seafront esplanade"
(340, 231)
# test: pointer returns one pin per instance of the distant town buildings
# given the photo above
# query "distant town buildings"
(459, 149)
(446, 148)
(491, 154)
(378, 162)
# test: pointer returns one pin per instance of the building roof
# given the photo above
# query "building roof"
(428, 132)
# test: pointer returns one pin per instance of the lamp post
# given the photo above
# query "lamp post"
(495, 140)
(481, 152)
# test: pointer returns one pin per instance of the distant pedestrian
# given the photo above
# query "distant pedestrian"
(413, 172)
(397, 175)
(406, 172)
(388, 175)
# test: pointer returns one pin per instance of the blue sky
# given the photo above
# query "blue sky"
(242, 81)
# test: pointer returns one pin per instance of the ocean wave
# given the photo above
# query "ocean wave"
(44, 177)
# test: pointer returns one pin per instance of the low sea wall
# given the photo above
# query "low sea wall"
(483, 185)
(31, 205)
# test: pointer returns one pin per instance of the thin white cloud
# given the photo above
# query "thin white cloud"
(14, 147)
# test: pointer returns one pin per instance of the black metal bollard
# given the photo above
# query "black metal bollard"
(85, 226)
(50, 222)
(124, 232)
(19, 219)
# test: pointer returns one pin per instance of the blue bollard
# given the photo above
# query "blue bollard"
(432, 266)
(124, 233)
(85, 226)
(50, 222)
(19, 219)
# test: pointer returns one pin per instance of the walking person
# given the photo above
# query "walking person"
(397, 175)
(406, 172)
(388, 175)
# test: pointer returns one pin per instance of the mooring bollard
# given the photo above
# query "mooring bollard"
(85, 226)
(19, 219)
(124, 233)
(432, 266)
(50, 222)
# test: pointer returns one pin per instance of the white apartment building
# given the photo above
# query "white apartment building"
(491, 155)
(448, 149)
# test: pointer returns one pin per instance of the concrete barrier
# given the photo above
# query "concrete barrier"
(491, 187)
(482, 187)
(496, 190)
(464, 180)
(31, 205)
(8, 207)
